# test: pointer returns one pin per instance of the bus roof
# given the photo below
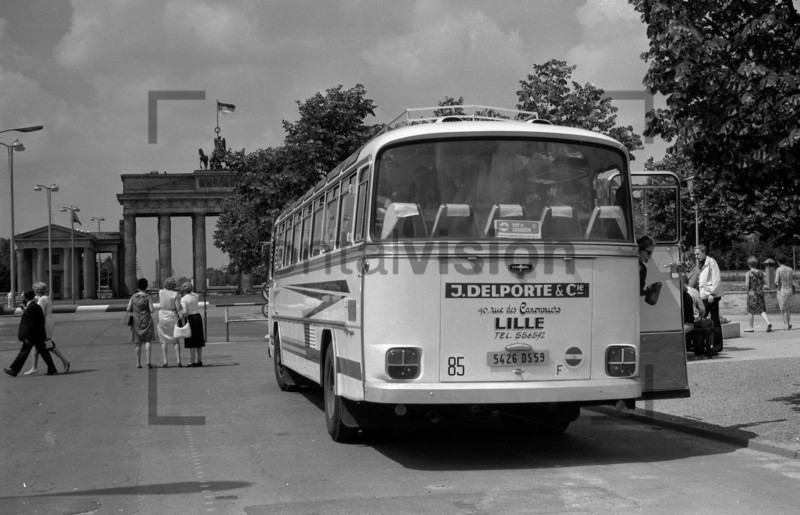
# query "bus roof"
(468, 121)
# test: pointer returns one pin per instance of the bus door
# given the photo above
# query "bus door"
(656, 212)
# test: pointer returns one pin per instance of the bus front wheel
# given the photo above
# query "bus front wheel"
(334, 404)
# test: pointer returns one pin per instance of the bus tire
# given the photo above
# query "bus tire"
(286, 379)
(334, 404)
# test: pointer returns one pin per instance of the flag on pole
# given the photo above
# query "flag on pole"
(225, 108)
(75, 217)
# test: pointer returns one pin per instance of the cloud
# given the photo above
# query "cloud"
(448, 43)
(611, 44)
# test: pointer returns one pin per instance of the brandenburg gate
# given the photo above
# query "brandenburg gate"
(197, 195)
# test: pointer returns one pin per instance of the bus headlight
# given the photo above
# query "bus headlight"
(403, 362)
(620, 360)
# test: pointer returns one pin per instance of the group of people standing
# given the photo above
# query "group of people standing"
(175, 307)
(36, 328)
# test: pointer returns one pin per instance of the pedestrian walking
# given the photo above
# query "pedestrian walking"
(168, 314)
(784, 282)
(45, 302)
(190, 307)
(710, 287)
(32, 334)
(754, 286)
(140, 309)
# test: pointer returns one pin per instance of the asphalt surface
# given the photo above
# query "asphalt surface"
(748, 395)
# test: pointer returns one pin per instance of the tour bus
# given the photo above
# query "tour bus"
(479, 262)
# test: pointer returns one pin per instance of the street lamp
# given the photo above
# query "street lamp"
(690, 185)
(16, 145)
(50, 190)
(72, 209)
(99, 269)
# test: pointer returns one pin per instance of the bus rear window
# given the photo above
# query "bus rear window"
(501, 189)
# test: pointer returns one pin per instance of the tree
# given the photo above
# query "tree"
(729, 70)
(550, 93)
(330, 128)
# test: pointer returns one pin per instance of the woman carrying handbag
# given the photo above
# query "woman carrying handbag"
(191, 311)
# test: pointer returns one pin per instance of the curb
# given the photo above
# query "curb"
(697, 428)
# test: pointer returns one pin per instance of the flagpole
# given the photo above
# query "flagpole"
(217, 107)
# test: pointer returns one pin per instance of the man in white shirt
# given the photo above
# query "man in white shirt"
(710, 287)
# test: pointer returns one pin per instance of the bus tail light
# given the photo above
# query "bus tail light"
(403, 362)
(620, 360)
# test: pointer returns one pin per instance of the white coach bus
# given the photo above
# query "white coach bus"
(488, 264)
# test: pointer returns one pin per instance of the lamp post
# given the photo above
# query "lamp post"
(16, 145)
(99, 269)
(50, 190)
(71, 209)
(690, 184)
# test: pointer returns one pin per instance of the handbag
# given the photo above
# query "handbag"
(652, 294)
(128, 319)
(182, 331)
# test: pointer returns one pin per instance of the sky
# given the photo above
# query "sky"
(84, 70)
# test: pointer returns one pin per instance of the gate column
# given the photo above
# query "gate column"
(130, 253)
(199, 251)
(164, 247)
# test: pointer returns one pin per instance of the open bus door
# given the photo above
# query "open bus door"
(662, 346)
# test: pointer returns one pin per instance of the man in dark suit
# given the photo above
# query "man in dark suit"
(31, 334)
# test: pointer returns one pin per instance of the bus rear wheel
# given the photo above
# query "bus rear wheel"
(287, 380)
(334, 404)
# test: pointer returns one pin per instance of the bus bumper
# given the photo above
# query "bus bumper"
(579, 392)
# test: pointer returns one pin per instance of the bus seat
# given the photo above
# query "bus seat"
(454, 221)
(503, 212)
(560, 222)
(403, 221)
(606, 223)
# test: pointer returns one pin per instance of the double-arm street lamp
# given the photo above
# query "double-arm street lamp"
(19, 147)
(99, 269)
(72, 210)
(50, 190)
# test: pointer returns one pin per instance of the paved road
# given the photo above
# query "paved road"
(749, 394)
(110, 438)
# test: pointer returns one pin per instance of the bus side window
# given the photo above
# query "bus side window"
(331, 217)
(287, 242)
(361, 206)
(316, 233)
(296, 238)
(278, 251)
(348, 203)
(305, 245)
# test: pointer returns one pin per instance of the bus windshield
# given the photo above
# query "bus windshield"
(490, 188)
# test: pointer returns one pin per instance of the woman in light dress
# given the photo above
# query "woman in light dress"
(44, 300)
(191, 311)
(784, 276)
(168, 314)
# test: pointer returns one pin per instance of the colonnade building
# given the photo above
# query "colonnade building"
(74, 253)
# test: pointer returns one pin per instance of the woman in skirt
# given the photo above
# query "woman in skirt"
(191, 311)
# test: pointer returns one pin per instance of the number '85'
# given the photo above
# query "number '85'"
(455, 366)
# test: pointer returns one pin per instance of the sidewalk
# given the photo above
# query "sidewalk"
(748, 395)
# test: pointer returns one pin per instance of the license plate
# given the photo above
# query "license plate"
(517, 358)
